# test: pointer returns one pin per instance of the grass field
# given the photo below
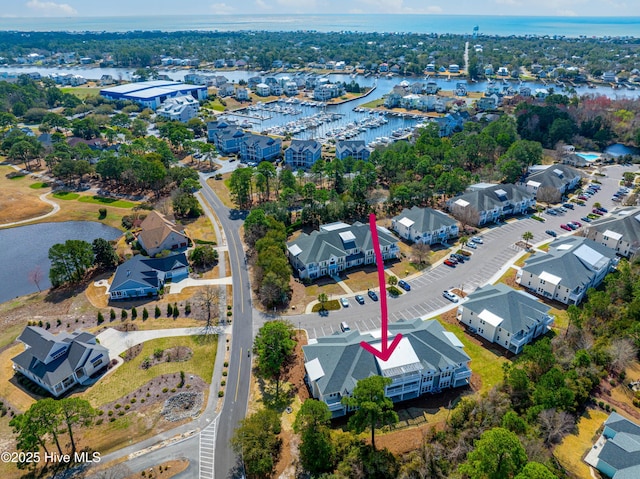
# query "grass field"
(19, 201)
(131, 376)
(82, 92)
(101, 200)
(39, 185)
(65, 195)
(222, 189)
(574, 446)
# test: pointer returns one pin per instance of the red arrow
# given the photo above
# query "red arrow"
(387, 349)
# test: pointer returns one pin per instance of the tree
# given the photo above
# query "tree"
(374, 409)
(466, 215)
(535, 470)
(240, 187)
(527, 236)
(186, 205)
(256, 441)
(322, 298)
(548, 195)
(26, 150)
(498, 454)
(75, 411)
(69, 261)
(210, 297)
(35, 276)
(203, 256)
(312, 423)
(420, 253)
(392, 280)
(274, 347)
(105, 254)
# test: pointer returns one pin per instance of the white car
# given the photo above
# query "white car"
(477, 239)
(454, 298)
(472, 245)
(344, 302)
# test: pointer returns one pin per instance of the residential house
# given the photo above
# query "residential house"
(356, 149)
(425, 225)
(179, 108)
(488, 102)
(609, 76)
(490, 204)
(302, 154)
(572, 266)
(256, 148)
(291, 88)
(505, 316)
(431, 88)
(262, 89)
(158, 233)
(338, 247)
(563, 178)
(143, 277)
(503, 72)
(327, 91)
(453, 68)
(57, 362)
(393, 100)
(275, 89)
(242, 94)
(620, 231)
(431, 68)
(616, 454)
(226, 89)
(428, 359)
(226, 137)
(461, 89)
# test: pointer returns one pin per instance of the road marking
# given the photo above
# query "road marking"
(238, 378)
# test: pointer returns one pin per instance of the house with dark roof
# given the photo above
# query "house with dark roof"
(505, 316)
(616, 454)
(302, 154)
(225, 136)
(356, 149)
(338, 247)
(561, 177)
(425, 225)
(257, 148)
(158, 233)
(427, 359)
(620, 231)
(491, 203)
(143, 277)
(572, 266)
(57, 362)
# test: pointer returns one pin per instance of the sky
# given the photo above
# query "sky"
(88, 8)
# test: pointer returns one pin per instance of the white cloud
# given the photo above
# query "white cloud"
(396, 6)
(296, 6)
(263, 5)
(51, 8)
(222, 9)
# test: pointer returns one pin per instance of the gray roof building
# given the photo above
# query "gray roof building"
(427, 359)
(58, 362)
(141, 276)
(425, 225)
(357, 149)
(336, 247)
(302, 153)
(505, 316)
(620, 231)
(493, 202)
(560, 177)
(572, 266)
(617, 452)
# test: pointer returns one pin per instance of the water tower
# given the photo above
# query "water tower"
(475, 31)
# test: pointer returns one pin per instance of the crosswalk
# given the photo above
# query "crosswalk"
(207, 450)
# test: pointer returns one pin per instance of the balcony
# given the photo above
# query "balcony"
(548, 320)
(519, 340)
(461, 373)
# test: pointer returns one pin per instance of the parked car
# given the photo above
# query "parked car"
(561, 209)
(565, 227)
(595, 186)
(568, 205)
(449, 263)
(577, 223)
(472, 245)
(360, 299)
(616, 199)
(404, 285)
(552, 212)
(344, 327)
(454, 298)
(596, 211)
(344, 302)
(603, 209)
(453, 259)
(460, 258)
(583, 198)
(373, 295)
(551, 233)
(585, 219)
(477, 239)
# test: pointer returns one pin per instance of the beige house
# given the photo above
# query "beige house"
(159, 233)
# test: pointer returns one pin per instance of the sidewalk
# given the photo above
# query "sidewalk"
(175, 288)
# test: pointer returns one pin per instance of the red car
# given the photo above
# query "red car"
(449, 263)
(566, 227)
(596, 211)
(577, 223)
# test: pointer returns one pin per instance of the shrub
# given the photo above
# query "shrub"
(157, 313)
(173, 390)
(110, 413)
(226, 364)
(164, 390)
(145, 314)
(223, 383)
(111, 419)
(117, 406)
(220, 394)
(176, 312)
(123, 314)
(112, 315)
(127, 407)
(225, 373)
(100, 317)
(187, 308)
(134, 313)
(133, 400)
(169, 310)
(538, 218)
(102, 213)
(120, 413)
(229, 313)
(98, 422)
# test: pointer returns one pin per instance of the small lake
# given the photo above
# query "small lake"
(618, 149)
(25, 248)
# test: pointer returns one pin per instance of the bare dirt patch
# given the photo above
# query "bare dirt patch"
(19, 202)
(166, 470)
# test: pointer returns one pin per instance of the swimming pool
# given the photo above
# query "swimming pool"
(589, 156)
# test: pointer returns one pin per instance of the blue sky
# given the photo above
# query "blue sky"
(85, 8)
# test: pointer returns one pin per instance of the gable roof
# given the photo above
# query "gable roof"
(625, 222)
(574, 259)
(155, 229)
(622, 451)
(300, 146)
(352, 146)
(143, 271)
(425, 219)
(495, 196)
(343, 361)
(517, 310)
(334, 241)
(556, 176)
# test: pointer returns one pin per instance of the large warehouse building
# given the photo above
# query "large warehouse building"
(153, 93)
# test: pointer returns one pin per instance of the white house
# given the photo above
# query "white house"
(179, 108)
(425, 225)
(620, 231)
(492, 203)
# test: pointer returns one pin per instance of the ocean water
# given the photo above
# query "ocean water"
(455, 24)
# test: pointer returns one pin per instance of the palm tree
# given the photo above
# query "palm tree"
(463, 241)
(527, 236)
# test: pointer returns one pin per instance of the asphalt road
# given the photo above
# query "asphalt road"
(238, 380)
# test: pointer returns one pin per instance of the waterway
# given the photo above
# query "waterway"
(25, 248)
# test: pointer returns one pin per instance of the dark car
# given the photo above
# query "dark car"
(449, 263)
(597, 212)
(460, 258)
(373, 295)
(551, 233)
(603, 209)
(453, 259)
(404, 285)
(360, 298)
(585, 219)
(568, 205)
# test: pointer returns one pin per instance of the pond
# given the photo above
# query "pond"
(618, 149)
(26, 248)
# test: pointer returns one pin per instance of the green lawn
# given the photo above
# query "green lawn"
(131, 376)
(82, 92)
(101, 200)
(332, 305)
(39, 185)
(484, 362)
(66, 195)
